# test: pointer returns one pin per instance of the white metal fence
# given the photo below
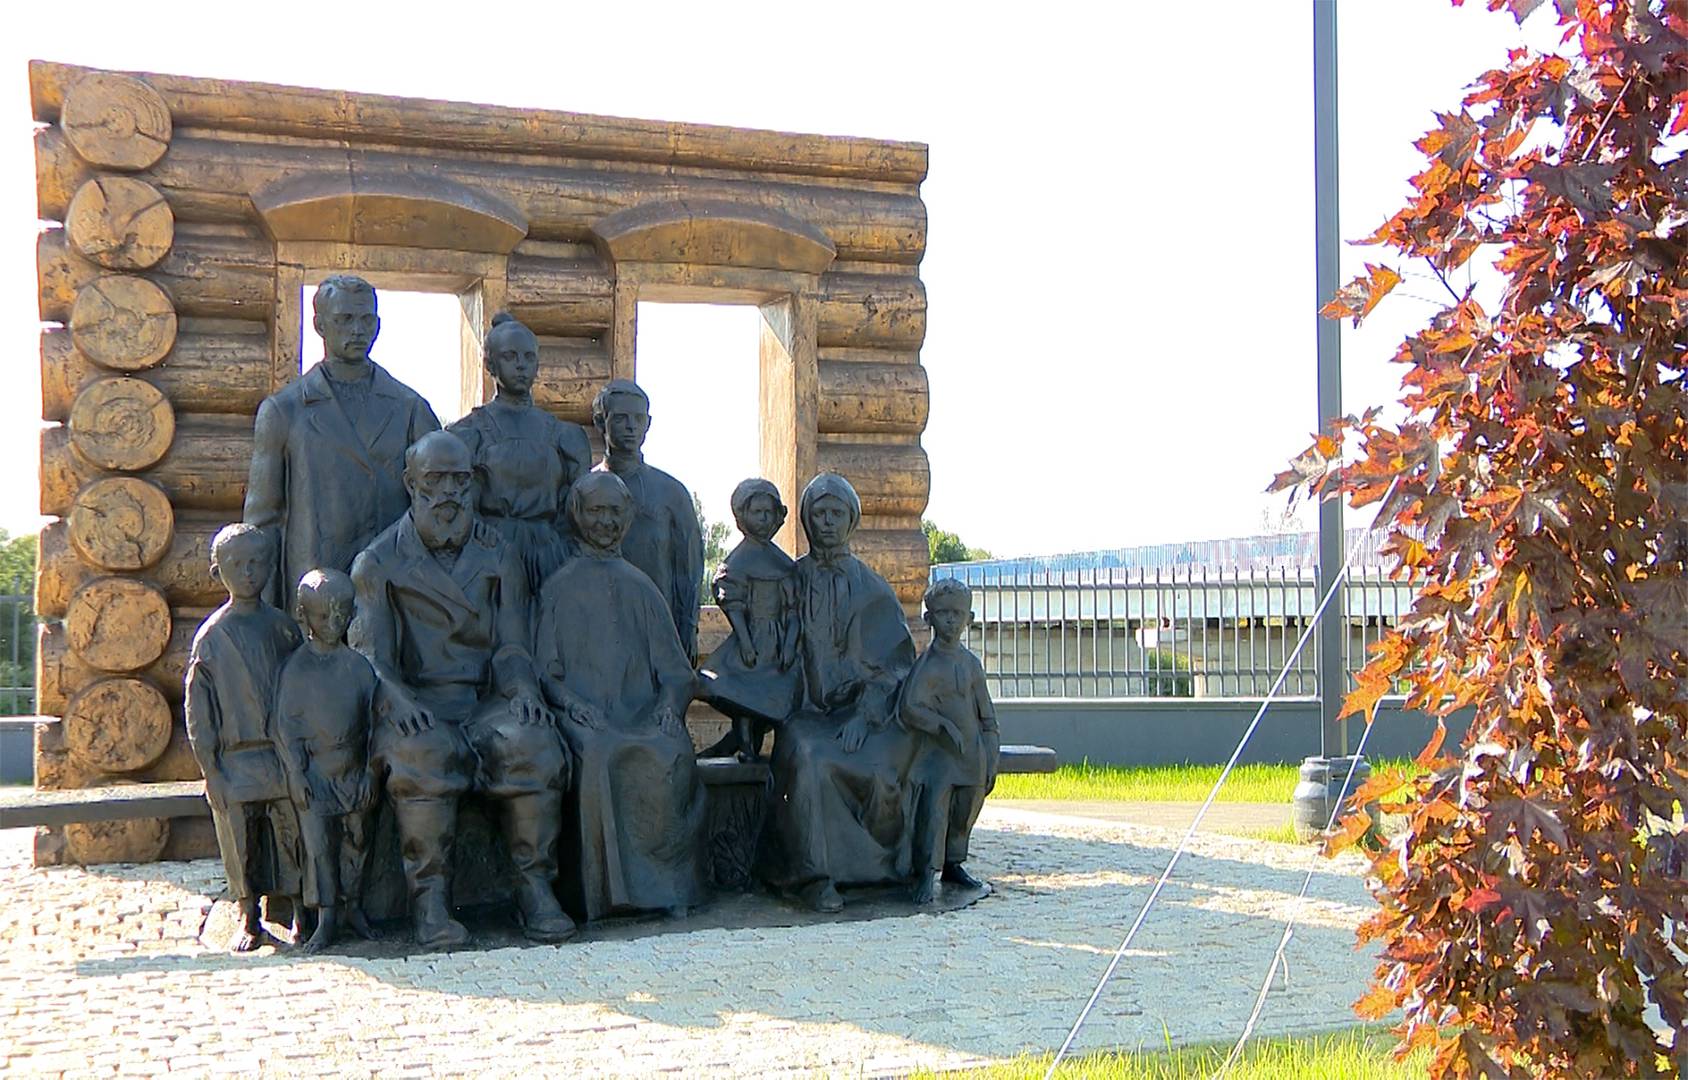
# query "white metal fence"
(1197, 631)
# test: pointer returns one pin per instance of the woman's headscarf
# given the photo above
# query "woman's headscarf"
(838, 487)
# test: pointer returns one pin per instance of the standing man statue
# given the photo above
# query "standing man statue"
(329, 447)
(442, 614)
(664, 540)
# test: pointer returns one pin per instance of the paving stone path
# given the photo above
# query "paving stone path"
(102, 972)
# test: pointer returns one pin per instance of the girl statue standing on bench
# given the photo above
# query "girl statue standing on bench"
(753, 676)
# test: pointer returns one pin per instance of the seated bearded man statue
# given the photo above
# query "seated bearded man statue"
(442, 609)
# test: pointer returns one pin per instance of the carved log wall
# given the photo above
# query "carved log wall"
(193, 210)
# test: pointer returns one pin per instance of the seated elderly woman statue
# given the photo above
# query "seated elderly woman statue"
(611, 665)
(841, 762)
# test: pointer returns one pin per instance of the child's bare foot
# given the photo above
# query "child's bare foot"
(823, 897)
(956, 874)
(924, 891)
(324, 937)
(251, 930)
(358, 923)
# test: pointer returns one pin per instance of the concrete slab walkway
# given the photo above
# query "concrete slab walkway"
(1235, 819)
(102, 973)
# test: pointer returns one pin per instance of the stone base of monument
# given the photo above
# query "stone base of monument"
(494, 927)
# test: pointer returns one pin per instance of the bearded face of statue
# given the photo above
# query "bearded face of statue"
(440, 478)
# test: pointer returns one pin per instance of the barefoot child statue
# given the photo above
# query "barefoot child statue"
(322, 716)
(945, 699)
(753, 676)
(237, 656)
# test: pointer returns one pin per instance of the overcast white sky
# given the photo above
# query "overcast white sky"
(1120, 260)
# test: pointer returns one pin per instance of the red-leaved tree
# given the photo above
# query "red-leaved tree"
(1537, 490)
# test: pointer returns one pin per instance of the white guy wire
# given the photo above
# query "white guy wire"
(1294, 912)
(1189, 834)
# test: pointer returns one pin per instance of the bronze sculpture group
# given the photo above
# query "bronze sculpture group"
(483, 612)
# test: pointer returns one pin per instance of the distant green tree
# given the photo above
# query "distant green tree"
(715, 535)
(17, 625)
(17, 562)
(946, 547)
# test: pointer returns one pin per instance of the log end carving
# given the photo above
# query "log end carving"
(117, 725)
(123, 322)
(121, 424)
(115, 122)
(121, 523)
(118, 624)
(139, 840)
(120, 223)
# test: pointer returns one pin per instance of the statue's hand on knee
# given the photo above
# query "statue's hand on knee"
(407, 714)
(529, 710)
(585, 715)
(669, 721)
(854, 734)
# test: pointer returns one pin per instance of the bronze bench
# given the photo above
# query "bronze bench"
(24, 807)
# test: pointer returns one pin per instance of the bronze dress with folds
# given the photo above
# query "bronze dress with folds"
(838, 815)
(757, 586)
(525, 460)
(634, 821)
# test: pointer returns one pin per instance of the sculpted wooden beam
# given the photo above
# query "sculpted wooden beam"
(213, 180)
(858, 398)
(262, 108)
(182, 570)
(204, 469)
(204, 274)
(211, 368)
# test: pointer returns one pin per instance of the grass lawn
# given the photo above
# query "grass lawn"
(1155, 783)
(1277, 834)
(1352, 1054)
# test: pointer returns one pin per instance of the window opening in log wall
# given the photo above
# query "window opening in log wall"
(698, 363)
(420, 344)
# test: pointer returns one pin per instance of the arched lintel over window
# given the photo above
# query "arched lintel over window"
(356, 207)
(715, 233)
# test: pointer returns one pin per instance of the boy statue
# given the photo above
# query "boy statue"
(322, 716)
(945, 699)
(663, 540)
(237, 656)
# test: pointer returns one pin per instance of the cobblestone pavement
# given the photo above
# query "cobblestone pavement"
(101, 972)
